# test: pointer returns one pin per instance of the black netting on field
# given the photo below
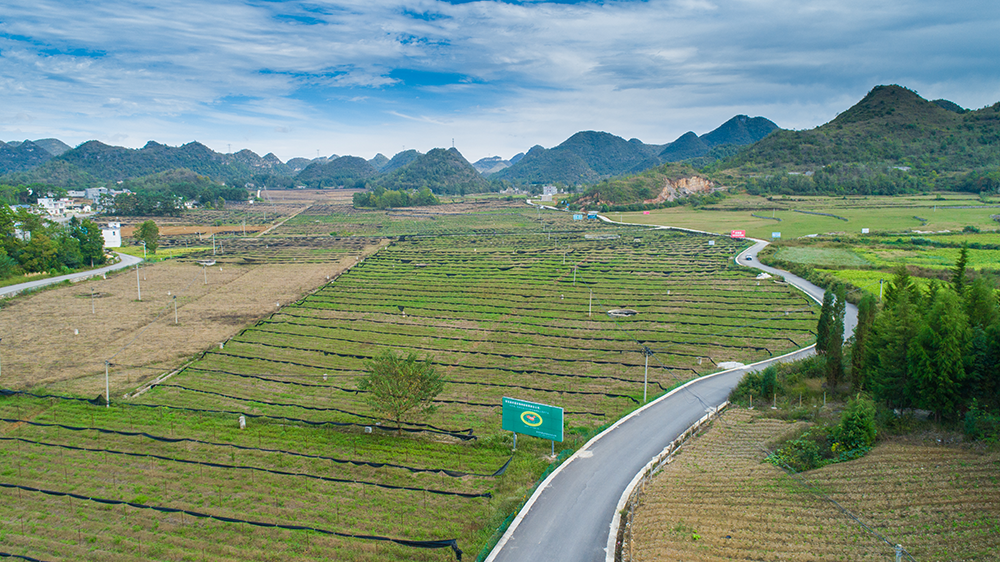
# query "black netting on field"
(465, 434)
(355, 462)
(245, 467)
(444, 543)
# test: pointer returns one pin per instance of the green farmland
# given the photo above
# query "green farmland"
(761, 216)
(506, 303)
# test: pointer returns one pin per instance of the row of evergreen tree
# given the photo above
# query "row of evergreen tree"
(936, 349)
(31, 244)
(382, 198)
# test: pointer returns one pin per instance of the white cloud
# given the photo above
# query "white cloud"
(294, 76)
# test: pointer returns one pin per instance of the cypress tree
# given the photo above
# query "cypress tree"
(835, 341)
(958, 272)
(939, 356)
(866, 317)
(901, 286)
(888, 371)
(825, 323)
(981, 304)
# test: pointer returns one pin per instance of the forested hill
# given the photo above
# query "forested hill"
(444, 171)
(346, 171)
(94, 162)
(892, 141)
(590, 156)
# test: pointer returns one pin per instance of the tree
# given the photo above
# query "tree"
(835, 339)
(149, 233)
(958, 272)
(866, 317)
(825, 323)
(39, 254)
(938, 356)
(7, 226)
(8, 265)
(902, 286)
(68, 253)
(887, 365)
(856, 429)
(91, 242)
(981, 303)
(400, 388)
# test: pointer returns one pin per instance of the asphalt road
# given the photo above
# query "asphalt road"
(126, 261)
(569, 517)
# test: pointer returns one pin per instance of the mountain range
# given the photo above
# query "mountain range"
(590, 156)
(585, 157)
(891, 141)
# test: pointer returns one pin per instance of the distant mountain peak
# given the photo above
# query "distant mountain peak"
(442, 170)
(490, 165)
(891, 103)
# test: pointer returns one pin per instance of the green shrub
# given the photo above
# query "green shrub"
(981, 424)
(749, 385)
(856, 430)
(799, 454)
(769, 381)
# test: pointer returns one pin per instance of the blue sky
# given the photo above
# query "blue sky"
(365, 76)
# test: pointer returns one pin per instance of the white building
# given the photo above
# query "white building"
(94, 193)
(55, 207)
(112, 235)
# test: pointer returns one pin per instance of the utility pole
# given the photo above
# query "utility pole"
(880, 289)
(645, 379)
(175, 309)
(137, 285)
(107, 387)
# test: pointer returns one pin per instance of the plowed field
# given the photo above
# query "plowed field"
(718, 501)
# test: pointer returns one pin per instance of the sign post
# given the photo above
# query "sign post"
(530, 418)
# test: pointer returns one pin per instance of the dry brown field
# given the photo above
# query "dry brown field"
(200, 231)
(61, 337)
(717, 500)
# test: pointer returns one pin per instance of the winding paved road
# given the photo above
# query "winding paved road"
(570, 515)
(126, 261)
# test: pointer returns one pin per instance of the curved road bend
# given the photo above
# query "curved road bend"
(126, 261)
(569, 516)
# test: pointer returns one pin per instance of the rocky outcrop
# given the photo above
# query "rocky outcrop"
(683, 187)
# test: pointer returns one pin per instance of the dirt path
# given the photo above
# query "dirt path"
(281, 222)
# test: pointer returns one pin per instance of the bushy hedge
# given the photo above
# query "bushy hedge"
(850, 439)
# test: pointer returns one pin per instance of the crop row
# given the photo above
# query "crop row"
(499, 315)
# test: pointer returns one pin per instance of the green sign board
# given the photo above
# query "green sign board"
(530, 418)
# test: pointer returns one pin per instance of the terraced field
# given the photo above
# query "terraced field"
(281, 250)
(485, 215)
(513, 307)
